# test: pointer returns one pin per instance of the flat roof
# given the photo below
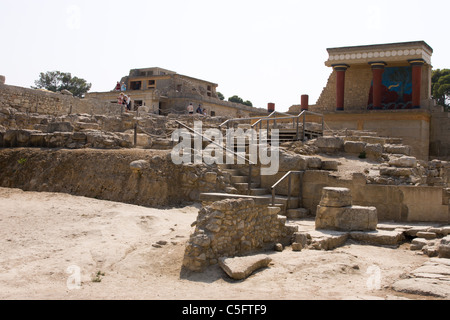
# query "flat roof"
(384, 45)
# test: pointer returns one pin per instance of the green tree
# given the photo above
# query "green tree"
(248, 103)
(238, 99)
(440, 87)
(56, 81)
(221, 96)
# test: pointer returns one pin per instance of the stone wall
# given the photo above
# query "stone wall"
(440, 133)
(232, 227)
(46, 102)
(356, 94)
(412, 126)
(109, 175)
(393, 202)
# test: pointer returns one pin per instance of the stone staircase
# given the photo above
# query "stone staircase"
(291, 207)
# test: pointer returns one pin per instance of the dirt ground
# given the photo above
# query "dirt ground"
(50, 240)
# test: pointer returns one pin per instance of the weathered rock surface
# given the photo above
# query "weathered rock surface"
(329, 144)
(378, 237)
(354, 146)
(444, 247)
(346, 218)
(240, 268)
(431, 279)
(404, 161)
(336, 197)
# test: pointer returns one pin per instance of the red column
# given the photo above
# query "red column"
(340, 84)
(377, 74)
(304, 102)
(416, 81)
(270, 107)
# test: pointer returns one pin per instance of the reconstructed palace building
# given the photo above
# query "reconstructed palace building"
(163, 91)
(385, 88)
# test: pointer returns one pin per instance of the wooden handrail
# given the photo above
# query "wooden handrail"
(250, 163)
(288, 174)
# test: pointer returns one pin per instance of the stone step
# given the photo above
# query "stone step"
(232, 172)
(291, 204)
(258, 191)
(239, 179)
(243, 186)
(297, 213)
(217, 196)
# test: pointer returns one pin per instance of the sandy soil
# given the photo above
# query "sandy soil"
(46, 238)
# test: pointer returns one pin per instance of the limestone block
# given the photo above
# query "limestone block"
(403, 162)
(426, 235)
(397, 149)
(313, 162)
(59, 127)
(378, 237)
(328, 240)
(143, 140)
(330, 165)
(288, 162)
(444, 247)
(418, 244)
(396, 172)
(232, 204)
(336, 197)
(240, 268)
(329, 144)
(297, 246)
(374, 150)
(349, 218)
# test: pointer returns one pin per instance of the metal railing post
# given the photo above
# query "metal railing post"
(300, 188)
(304, 126)
(135, 135)
(249, 178)
(289, 191)
(273, 196)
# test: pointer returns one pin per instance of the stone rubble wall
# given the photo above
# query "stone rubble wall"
(396, 166)
(109, 175)
(232, 227)
(47, 102)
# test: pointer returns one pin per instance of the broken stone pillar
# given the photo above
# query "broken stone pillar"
(2, 79)
(336, 212)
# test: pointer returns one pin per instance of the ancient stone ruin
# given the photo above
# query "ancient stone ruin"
(343, 184)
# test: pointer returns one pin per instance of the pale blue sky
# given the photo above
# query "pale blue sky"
(263, 51)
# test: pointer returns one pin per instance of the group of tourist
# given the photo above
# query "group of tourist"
(124, 99)
(199, 110)
(120, 87)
